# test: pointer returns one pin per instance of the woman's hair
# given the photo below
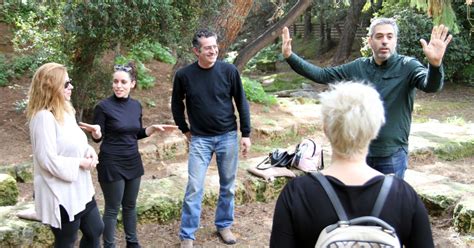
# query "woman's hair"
(47, 92)
(130, 68)
(352, 115)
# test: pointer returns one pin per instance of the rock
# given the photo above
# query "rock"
(22, 173)
(464, 216)
(15, 232)
(8, 190)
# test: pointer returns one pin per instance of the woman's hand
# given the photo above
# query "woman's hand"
(88, 163)
(94, 130)
(160, 128)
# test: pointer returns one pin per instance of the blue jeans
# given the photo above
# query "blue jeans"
(201, 149)
(121, 193)
(88, 221)
(397, 163)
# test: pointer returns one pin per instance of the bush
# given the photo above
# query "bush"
(255, 92)
(146, 50)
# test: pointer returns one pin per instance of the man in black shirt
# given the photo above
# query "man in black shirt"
(209, 87)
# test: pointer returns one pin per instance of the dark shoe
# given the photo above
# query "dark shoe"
(133, 245)
(187, 243)
(227, 236)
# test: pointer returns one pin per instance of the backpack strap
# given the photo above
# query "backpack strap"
(380, 202)
(336, 203)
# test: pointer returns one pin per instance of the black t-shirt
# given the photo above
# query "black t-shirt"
(120, 120)
(303, 210)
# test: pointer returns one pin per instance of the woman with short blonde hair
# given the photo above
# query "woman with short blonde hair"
(352, 116)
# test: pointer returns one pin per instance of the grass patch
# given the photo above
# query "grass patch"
(284, 81)
(440, 110)
(455, 150)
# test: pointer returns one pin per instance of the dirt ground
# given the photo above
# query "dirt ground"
(253, 221)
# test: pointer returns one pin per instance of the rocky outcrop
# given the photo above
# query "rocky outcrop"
(8, 190)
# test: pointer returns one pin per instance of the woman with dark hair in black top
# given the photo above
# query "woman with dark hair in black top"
(118, 124)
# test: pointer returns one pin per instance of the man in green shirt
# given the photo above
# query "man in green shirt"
(394, 76)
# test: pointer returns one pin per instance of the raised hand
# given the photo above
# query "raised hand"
(93, 129)
(286, 42)
(435, 49)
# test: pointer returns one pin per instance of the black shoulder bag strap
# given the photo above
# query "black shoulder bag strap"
(380, 202)
(336, 203)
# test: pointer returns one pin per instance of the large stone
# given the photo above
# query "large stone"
(22, 173)
(16, 232)
(464, 216)
(8, 190)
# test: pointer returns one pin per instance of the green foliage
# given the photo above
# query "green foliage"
(255, 92)
(455, 150)
(270, 53)
(147, 50)
(8, 190)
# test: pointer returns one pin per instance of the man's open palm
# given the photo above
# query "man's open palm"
(434, 51)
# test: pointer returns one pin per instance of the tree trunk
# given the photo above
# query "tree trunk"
(228, 23)
(270, 34)
(308, 26)
(350, 27)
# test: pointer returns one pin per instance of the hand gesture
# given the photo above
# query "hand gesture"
(160, 128)
(93, 129)
(245, 143)
(286, 42)
(434, 51)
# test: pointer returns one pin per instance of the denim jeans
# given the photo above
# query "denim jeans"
(121, 193)
(396, 163)
(201, 149)
(88, 221)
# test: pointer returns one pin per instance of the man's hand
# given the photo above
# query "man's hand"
(286, 42)
(245, 143)
(188, 136)
(434, 51)
(93, 129)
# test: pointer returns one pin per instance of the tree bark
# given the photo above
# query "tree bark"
(350, 27)
(270, 34)
(229, 22)
(308, 26)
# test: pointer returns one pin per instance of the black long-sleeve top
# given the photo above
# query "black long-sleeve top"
(209, 94)
(120, 120)
(303, 210)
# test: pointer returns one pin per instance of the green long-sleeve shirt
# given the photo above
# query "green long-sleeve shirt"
(395, 80)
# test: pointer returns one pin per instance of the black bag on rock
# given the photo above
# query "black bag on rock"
(277, 158)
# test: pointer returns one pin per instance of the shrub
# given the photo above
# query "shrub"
(255, 92)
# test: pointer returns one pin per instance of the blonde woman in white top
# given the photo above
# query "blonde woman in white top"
(64, 193)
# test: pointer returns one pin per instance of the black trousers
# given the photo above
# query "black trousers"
(88, 221)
